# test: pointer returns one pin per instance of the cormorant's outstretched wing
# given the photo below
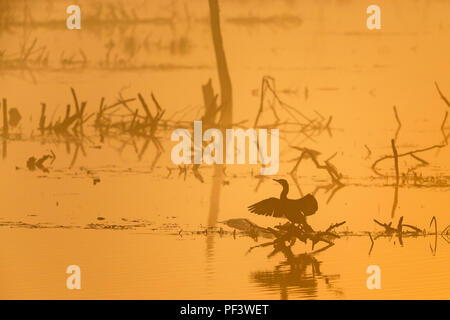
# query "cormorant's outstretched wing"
(279, 208)
(308, 204)
(267, 207)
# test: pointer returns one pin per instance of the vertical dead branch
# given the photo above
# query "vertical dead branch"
(369, 152)
(409, 153)
(226, 104)
(400, 230)
(222, 68)
(394, 150)
(77, 106)
(145, 106)
(158, 107)
(67, 112)
(133, 122)
(397, 178)
(42, 119)
(80, 117)
(5, 136)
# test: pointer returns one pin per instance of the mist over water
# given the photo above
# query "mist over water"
(116, 204)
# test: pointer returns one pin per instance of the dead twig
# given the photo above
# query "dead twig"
(397, 178)
(369, 152)
(443, 128)
(399, 231)
(442, 95)
(433, 251)
(409, 153)
(371, 240)
(399, 124)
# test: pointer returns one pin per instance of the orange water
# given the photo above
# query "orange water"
(350, 73)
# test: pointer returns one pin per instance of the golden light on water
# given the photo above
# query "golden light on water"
(87, 174)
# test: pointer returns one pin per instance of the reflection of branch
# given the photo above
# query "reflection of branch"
(332, 171)
(397, 118)
(294, 178)
(75, 156)
(155, 160)
(291, 232)
(435, 237)
(399, 231)
(197, 172)
(308, 127)
(369, 152)
(265, 85)
(442, 95)
(410, 153)
(387, 226)
(445, 234)
(443, 128)
(312, 154)
(371, 247)
(335, 190)
(261, 179)
(332, 186)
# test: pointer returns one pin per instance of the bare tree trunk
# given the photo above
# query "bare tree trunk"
(226, 106)
(222, 68)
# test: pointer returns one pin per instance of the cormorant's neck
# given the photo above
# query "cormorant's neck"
(285, 191)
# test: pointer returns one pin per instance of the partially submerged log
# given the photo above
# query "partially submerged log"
(248, 227)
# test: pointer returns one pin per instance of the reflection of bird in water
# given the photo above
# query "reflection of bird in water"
(296, 278)
(294, 210)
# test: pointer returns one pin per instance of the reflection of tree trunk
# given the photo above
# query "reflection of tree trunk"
(215, 195)
(5, 148)
(397, 179)
(5, 128)
(226, 105)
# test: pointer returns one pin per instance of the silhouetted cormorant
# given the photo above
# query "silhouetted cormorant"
(294, 210)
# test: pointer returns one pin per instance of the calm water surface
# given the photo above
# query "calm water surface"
(323, 61)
